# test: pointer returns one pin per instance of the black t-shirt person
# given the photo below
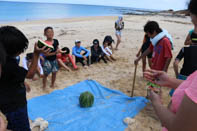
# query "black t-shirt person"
(190, 63)
(12, 88)
(55, 45)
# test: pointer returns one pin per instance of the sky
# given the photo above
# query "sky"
(146, 4)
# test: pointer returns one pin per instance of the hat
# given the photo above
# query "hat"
(77, 41)
(109, 39)
(95, 41)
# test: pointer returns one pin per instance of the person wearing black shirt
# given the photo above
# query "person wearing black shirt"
(13, 101)
(189, 55)
(96, 52)
(50, 63)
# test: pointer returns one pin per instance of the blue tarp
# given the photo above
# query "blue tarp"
(61, 108)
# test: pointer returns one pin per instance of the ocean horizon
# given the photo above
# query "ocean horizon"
(27, 11)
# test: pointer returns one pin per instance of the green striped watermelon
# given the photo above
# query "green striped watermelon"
(86, 99)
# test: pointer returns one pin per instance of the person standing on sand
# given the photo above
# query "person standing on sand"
(145, 45)
(50, 63)
(161, 47)
(2, 62)
(189, 54)
(119, 26)
(13, 103)
(183, 111)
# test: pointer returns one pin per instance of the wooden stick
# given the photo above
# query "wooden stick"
(134, 81)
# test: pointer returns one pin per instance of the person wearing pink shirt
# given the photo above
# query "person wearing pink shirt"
(182, 113)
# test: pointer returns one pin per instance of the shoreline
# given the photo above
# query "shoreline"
(58, 20)
(165, 13)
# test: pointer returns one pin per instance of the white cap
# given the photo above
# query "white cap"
(77, 41)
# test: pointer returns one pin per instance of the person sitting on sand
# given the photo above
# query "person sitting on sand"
(64, 58)
(145, 45)
(105, 48)
(27, 62)
(80, 56)
(110, 41)
(96, 52)
(50, 63)
(161, 47)
(13, 101)
(119, 26)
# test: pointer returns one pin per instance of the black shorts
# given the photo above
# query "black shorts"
(144, 48)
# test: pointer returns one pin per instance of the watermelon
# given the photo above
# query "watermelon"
(86, 99)
(42, 43)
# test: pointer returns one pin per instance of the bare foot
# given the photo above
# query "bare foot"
(44, 87)
(85, 67)
(52, 86)
(35, 79)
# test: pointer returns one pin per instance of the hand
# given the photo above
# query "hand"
(28, 88)
(154, 97)
(84, 58)
(138, 54)
(2, 125)
(43, 50)
(157, 77)
(136, 61)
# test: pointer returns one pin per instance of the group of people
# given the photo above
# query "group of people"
(42, 61)
(158, 45)
(181, 113)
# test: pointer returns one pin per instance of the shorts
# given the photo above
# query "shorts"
(180, 77)
(144, 48)
(18, 120)
(119, 33)
(50, 66)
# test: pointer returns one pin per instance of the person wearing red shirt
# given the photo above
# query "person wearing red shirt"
(64, 58)
(161, 46)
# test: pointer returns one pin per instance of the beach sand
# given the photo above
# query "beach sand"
(117, 75)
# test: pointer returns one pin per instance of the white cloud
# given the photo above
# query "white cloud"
(148, 4)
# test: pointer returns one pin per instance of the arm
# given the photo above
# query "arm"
(61, 63)
(72, 61)
(162, 79)
(115, 25)
(167, 64)
(138, 54)
(86, 50)
(53, 53)
(176, 67)
(183, 120)
(104, 51)
(33, 67)
(25, 63)
(179, 57)
(188, 40)
(142, 55)
(76, 54)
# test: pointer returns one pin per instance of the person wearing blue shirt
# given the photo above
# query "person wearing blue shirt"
(80, 53)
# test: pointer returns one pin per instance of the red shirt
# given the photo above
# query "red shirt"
(161, 52)
(66, 59)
